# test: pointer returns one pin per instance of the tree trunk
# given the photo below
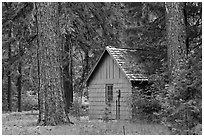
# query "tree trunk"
(186, 24)
(9, 95)
(52, 103)
(38, 63)
(19, 80)
(67, 73)
(176, 38)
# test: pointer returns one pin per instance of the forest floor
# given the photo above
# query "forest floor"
(24, 123)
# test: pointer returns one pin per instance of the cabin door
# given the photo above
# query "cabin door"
(109, 101)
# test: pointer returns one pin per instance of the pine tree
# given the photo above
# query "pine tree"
(52, 102)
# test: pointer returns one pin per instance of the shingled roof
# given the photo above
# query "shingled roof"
(129, 61)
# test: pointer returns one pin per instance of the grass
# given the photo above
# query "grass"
(24, 123)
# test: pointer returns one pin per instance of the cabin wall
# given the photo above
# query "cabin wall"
(108, 72)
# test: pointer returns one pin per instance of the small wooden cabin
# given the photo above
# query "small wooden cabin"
(117, 70)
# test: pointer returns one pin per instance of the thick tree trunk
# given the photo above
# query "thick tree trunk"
(176, 38)
(52, 104)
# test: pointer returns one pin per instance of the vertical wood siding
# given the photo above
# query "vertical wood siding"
(108, 72)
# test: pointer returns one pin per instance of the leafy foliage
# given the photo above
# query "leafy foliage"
(144, 105)
(181, 105)
(18, 34)
(181, 102)
(29, 101)
(77, 109)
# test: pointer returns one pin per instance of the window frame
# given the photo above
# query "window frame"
(109, 92)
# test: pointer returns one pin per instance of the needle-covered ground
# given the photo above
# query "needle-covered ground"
(24, 123)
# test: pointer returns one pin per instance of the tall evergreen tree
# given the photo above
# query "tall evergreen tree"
(52, 102)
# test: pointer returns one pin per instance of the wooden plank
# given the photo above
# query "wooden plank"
(99, 105)
(113, 67)
(106, 66)
(103, 69)
(113, 108)
(119, 73)
(122, 104)
(96, 99)
(104, 115)
(99, 85)
(97, 94)
(116, 82)
(122, 112)
(100, 116)
(102, 112)
(99, 101)
(115, 71)
(100, 71)
(94, 108)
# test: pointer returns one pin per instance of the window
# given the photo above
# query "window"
(109, 92)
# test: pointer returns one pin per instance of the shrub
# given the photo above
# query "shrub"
(29, 101)
(107, 112)
(181, 101)
(77, 108)
(181, 116)
(144, 106)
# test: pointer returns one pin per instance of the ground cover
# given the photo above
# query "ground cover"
(24, 123)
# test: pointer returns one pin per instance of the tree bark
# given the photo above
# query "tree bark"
(186, 24)
(38, 63)
(52, 103)
(67, 73)
(19, 80)
(176, 38)
(9, 95)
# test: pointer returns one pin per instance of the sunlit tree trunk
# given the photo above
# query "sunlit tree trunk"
(176, 38)
(52, 102)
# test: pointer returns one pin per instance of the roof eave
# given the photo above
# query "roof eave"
(144, 79)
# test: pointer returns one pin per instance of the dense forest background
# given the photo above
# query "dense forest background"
(70, 38)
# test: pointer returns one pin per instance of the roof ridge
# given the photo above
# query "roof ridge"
(130, 49)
